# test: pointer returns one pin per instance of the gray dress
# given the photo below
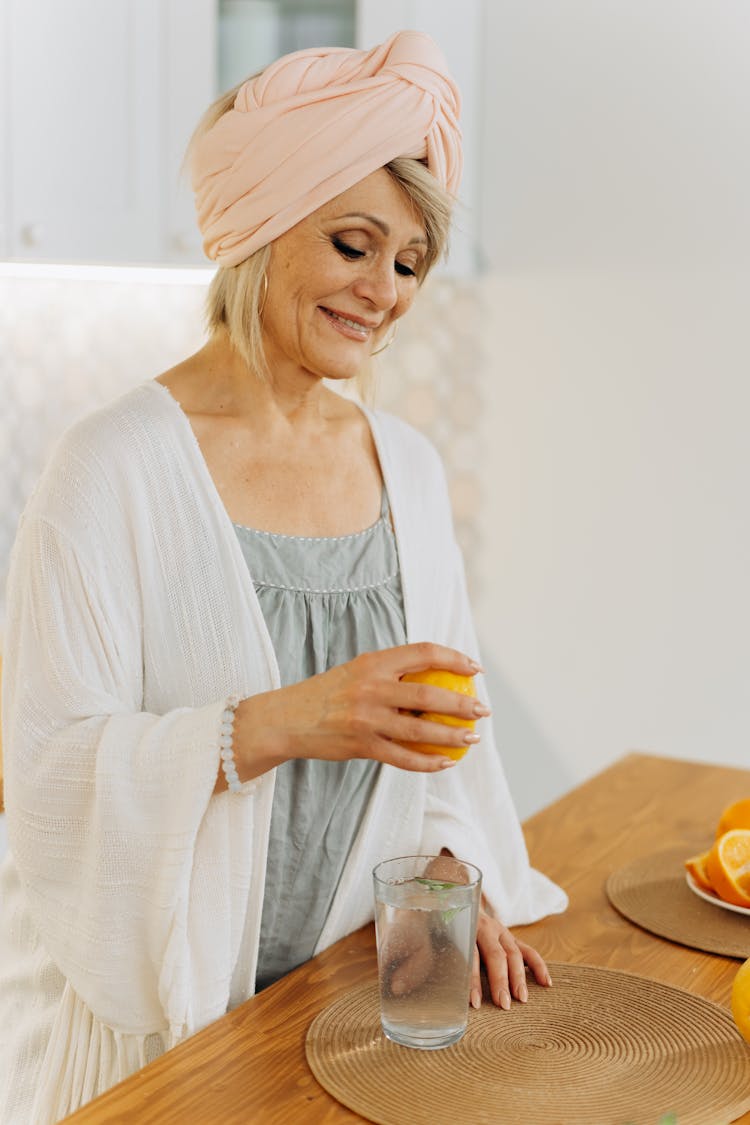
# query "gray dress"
(325, 601)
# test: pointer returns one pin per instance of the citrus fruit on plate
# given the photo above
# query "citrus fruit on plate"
(741, 1000)
(438, 677)
(696, 865)
(713, 898)
(736, 815)
(728, 866)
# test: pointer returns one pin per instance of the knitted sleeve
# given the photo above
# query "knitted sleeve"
(104, 802)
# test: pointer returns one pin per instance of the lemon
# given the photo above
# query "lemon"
(741, 1000)
(438, 677)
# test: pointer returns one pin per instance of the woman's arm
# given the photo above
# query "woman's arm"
(105, 802)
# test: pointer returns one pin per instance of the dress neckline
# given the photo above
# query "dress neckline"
(382, 518)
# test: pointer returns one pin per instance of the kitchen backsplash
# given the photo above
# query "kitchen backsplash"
(72, 343)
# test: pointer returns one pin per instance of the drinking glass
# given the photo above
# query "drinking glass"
(426, 922)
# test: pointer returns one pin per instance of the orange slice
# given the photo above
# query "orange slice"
(453, 682)
(696, 865)
(736, 815)
(728, 866)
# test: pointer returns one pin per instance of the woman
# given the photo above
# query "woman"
(216, 589)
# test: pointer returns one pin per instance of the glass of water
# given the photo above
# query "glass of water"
(426, 923)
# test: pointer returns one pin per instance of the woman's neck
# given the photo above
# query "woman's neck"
(217, 381)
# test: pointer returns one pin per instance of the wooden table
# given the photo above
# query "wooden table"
(250, 1065)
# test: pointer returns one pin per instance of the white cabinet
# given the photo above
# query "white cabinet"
(189, 85)
(82, 129)
(98, 99)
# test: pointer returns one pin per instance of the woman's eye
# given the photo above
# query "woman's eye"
(352, 253)
(347, 250)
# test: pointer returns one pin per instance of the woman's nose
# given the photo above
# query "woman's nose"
(377, 284)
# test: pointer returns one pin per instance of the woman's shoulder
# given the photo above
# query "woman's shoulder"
(144, 416)
(103, 452)
(144, 407)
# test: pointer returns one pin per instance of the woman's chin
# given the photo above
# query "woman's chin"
(342, 367)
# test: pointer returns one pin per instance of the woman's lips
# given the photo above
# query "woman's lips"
(347, 326)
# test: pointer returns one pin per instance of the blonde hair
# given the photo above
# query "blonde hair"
(237, 294)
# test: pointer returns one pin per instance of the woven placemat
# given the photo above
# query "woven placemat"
(598, 1048)
(652, 892)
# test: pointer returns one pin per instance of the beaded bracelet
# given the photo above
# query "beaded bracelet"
(226, 735)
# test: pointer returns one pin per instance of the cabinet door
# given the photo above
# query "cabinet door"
(83, 130)
(457, 26)
(189, 85)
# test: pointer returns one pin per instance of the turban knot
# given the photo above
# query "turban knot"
(312, 125)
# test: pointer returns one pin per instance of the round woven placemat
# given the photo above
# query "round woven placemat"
(599, 1048)
(653, 893)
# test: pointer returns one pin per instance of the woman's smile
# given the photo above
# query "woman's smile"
(354, 328)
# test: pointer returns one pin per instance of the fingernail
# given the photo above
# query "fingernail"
(548, 981)
(475, 667)
(446, 763)
(505, 1000)
(523, 994)
(481, 711)
(476, 998)
(470, 738)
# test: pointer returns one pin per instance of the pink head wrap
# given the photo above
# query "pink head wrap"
(313, 124)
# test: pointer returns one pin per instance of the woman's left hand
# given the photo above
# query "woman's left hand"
(505, 960)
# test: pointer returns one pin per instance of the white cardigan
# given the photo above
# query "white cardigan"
(130, 888)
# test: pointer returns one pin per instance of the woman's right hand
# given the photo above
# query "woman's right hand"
(360, 709)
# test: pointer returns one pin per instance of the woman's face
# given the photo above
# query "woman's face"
(338, 280)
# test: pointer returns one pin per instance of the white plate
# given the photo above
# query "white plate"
(714, 899)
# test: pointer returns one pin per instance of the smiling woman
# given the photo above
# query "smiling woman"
(220, 588)
(237, 296)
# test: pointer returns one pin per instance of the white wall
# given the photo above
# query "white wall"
(616, 553)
